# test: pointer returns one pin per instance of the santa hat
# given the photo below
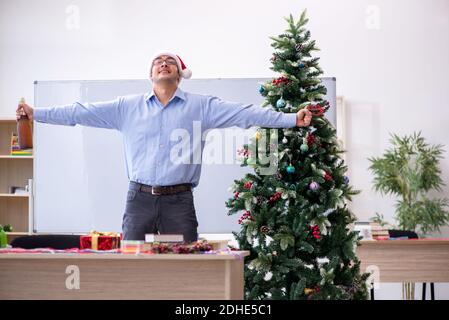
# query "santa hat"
(182, 69)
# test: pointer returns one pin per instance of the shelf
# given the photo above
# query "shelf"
(8, 120)
(16, 157)
(13, 195)
(17, 233)
(15, 209)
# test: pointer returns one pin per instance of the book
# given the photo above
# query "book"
(14, 153)
(378, 229)
(15, 147)
(151, 237)
(381, 237)
(378, 232)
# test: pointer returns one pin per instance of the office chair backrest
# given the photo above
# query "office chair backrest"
(402, 233)
(54, 241)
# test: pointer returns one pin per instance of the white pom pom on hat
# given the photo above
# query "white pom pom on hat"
(183, 71)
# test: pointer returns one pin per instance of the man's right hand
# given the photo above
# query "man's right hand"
(23, 109)
(303, 117)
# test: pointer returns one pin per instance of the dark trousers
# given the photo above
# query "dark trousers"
(164, 214)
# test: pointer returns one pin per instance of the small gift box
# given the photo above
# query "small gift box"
(100, 241)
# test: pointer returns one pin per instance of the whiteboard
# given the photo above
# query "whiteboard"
(80, 179)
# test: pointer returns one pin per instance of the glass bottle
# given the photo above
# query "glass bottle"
(24, 130)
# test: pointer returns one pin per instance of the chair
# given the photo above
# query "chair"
(54, 241)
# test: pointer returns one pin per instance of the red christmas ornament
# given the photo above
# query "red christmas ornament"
(275, 197)
(316, 232)
(317, 110)
(310, 139)
(246, 216)
(327, 177)
(280, 81)
(247, 185)
(236, 195)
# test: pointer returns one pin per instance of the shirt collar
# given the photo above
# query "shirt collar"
(178, 93)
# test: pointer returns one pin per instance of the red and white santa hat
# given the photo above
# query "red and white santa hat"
(183, 71)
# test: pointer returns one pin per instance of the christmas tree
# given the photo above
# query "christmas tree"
(295, 221)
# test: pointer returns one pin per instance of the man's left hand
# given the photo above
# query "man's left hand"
(303, 117)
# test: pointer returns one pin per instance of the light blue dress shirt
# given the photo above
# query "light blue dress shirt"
(147, 128)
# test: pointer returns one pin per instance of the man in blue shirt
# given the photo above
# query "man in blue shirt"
(160, 196)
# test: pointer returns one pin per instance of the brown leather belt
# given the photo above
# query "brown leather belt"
(163, 190)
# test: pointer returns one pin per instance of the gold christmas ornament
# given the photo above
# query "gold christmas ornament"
(308, 291)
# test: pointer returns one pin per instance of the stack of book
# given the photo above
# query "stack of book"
(15, 147)
(378, 232)
(164, 238)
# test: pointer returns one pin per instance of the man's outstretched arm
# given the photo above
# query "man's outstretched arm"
(222, 114)
(107, 114)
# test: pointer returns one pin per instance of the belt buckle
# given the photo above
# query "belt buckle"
(154, 193)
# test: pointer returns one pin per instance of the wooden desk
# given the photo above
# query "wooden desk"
(406, 260)
(122, 276)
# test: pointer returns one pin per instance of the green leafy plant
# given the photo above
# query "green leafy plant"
(381, 221)
(6, 228)
(410, 170)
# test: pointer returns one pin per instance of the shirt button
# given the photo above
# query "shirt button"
(161, 145)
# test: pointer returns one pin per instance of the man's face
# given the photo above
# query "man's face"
(164, 68)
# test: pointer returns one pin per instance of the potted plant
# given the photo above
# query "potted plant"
(410, 170)
(3, 236)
